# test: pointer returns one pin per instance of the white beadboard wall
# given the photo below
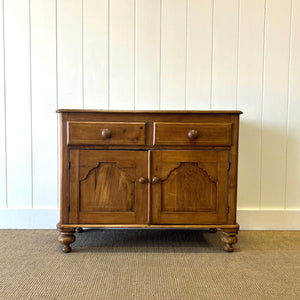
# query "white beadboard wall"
(150, 54)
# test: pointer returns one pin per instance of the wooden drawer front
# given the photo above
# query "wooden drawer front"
(106, 133)
(192, 134)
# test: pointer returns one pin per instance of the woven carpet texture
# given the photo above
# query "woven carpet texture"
(149, 264)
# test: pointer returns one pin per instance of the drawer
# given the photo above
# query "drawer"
(192, 134)
(105, 133)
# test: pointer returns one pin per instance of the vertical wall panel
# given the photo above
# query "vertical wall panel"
(225, 47)
(293, 146)
(2, 118)
(147, 64)
(69, 52)
(18, 106)
(44, 120)
(249, 100)
(151, 54)
(274, 120)
(199, 50)
(173, 54)
(95, 53)
(121, 55)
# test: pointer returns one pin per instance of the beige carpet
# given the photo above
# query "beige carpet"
(153, 264)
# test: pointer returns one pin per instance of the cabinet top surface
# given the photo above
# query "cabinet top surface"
(150, 111)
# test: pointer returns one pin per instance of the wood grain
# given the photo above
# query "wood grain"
(107, 186)
(229, 238)
(64, 170)
(233, 168)
(74, 188)
(191, 226)
(206, 134)
(185, 198)
(146, 185)
(189, 188)
(133, 112)
(94, 133)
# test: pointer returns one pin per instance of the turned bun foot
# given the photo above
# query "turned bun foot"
(66, 238)
(229, 238)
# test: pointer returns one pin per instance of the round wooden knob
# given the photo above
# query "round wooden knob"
(142, 180)
(155, 180)
(106, 133)
(193, 134)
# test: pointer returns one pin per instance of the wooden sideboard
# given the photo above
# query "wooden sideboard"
(148, 169)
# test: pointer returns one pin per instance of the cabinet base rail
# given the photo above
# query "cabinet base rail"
(67, 237)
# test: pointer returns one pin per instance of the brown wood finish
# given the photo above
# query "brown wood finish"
(132, 112)
(142, 169)
(232, 196)
(66, 237)
(191, 187)
(105, 187)
(229, 238)
(106, 133)
(64, 171)
(141, 226)
(192, 134)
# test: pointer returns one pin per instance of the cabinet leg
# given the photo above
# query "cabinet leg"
(212, 230)
(229, 238)
(66, 238)
(78, 230)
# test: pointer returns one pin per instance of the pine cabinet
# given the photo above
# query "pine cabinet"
(148, 169)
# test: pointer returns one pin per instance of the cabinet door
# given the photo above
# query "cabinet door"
(189, 187)
(105, 187)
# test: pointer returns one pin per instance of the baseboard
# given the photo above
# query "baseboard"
(269, 219)
(20, 218)
(28, 218)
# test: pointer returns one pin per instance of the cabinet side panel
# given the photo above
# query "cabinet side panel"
(74, 186)
(232, 196)
(63, 170)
